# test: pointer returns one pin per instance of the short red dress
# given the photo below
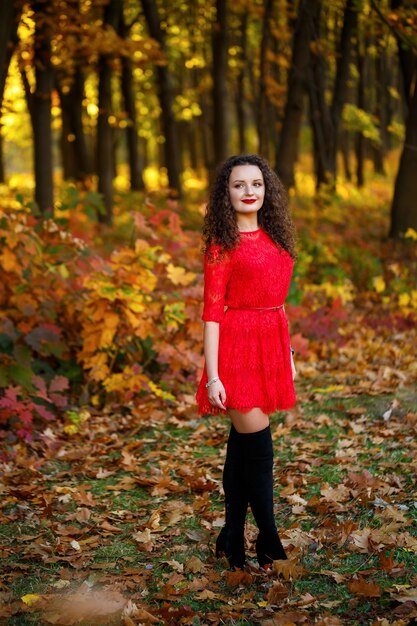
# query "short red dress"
(254, 343)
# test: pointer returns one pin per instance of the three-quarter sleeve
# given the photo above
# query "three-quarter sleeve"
(217, 271)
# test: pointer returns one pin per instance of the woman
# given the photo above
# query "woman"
(249, 368)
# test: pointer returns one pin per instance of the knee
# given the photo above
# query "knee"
(250, 422)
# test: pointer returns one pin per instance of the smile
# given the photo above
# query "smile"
(251, 201)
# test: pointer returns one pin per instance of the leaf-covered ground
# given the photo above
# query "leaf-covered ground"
(116, 523)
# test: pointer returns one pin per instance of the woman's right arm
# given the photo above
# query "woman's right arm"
(216, 392)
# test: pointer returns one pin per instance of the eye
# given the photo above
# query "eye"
(258, 184)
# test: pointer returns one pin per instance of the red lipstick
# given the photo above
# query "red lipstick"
(249, 201)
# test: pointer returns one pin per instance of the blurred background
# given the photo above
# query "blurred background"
(142, 95)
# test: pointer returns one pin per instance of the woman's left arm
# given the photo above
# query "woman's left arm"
(293, 370)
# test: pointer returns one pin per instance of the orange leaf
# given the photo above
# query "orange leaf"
(289, 570)
(362, 588)
(237, 578)
(277, 593)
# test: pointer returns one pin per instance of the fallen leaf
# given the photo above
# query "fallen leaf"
(361, 587)
(277, 593)
(194, 565)
(238, 577)
(407, 595)
(30, 598)
(289, 569)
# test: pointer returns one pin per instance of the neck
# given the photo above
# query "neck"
(247, 224)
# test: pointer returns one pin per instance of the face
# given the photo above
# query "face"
(246, 188)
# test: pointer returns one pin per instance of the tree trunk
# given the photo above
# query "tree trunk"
(135, 162)
(41, 103)
(262, 116)
(76, 157)
(344, 60)
(379, 150)
(166, 97)
(404, 206)
(105, 140)
(220, 93)
(326, 120)
(360, 139)
(69, 165)
(407, 57)
(319, 111)
(345, 148)
(9, 20)
(132, 139)
(240, 90)
(287, 147)
(2, 172)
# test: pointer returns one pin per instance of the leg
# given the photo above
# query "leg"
(250, 422)
(255, 435)
(231, 540)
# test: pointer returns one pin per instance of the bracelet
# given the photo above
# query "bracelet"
(292, 350)
(211, 381)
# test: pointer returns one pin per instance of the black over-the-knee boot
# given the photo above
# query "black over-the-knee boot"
(259, 455)
(231, 540)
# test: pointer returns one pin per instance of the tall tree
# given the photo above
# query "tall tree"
(127, 88)
(287, 147)
(360, 141)
(344, 59)
(262, 112)
(9, 20)
(70, 45)
(165, 90)
(41, 105)
(326, 121)
(79, 164)
(404, 207)
(319, 110)
(240, 83)
(220, 92)
(105, 153)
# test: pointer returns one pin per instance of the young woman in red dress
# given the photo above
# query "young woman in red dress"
(249, 369)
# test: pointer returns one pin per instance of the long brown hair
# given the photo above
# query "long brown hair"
(220, 224)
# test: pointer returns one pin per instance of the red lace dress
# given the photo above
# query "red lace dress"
(254, 344)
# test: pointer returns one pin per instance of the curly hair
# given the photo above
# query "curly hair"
(220, 223)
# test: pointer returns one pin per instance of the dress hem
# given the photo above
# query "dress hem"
(203, 410)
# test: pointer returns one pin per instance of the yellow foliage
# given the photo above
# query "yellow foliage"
(346, 291)
(179, 276)
(71, 429)
(8, 261)
(328, 389)
(408, 299)
(132, 319)
(159, 392)
(411, 234)
(107, 336)
(126, 381)
(98, 363)
(379, 284)
(30, 598)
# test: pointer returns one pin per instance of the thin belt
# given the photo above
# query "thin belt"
(255, 308)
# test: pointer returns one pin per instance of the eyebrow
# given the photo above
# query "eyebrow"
(255, 180)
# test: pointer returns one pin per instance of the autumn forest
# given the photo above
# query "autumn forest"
(114, 116)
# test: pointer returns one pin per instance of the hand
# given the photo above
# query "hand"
(217, 395)
(293, 370)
